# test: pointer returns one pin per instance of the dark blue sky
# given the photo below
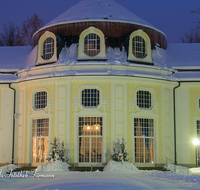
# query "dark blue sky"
(170, 16)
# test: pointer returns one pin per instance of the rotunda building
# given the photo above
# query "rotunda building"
(98, 76)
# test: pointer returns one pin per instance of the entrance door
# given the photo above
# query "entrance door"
(90, 139)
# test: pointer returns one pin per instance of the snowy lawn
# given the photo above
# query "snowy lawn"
(104, 180)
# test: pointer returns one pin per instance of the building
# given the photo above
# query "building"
(96, 74)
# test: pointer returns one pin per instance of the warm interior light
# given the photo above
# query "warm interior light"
(196, 141)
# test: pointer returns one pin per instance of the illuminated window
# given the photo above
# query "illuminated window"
(40, 135)
(90, 139)
(144, 140)
(90, 97)
(143, 99)
(40, 100)
(138, 47)
(48, 48)
(92, 44)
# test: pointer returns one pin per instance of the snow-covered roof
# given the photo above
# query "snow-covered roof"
(14, 58)
(97, 10)
(176, 56)
(183, 55)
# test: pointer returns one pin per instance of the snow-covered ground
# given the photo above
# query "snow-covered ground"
(116, 179)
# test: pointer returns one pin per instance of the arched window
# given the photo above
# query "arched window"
(48, 48)
(92, 44)
(139, 47)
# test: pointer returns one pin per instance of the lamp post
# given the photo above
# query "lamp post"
(196, 142)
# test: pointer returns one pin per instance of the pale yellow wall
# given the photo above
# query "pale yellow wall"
(107, 87)
(194, 93)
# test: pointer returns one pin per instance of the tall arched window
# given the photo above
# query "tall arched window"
(48, 48)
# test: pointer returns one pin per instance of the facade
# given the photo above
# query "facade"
(91, 81)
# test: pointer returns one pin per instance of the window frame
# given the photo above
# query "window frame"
(90, 98)
(41, 41)
(143, 138)
(152, 97)
(81, 51)
(145, 37)
(36, 137)
(33, 98)
(83, 87)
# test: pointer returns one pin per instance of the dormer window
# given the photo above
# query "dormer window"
(91, 45)
(49, 47)
(139, 48)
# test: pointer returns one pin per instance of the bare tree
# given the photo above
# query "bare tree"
(11, 35)
(29, 27)
(192, 37)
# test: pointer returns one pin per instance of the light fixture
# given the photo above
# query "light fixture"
(196, 141)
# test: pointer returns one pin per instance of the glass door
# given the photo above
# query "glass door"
(90, 139)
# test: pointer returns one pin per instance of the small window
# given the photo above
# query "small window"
(40, 100)
(138, 47)
(48, 48)
(90, 97)
(143, 99)
(92, 44)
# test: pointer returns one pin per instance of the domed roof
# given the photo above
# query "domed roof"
(97, 10)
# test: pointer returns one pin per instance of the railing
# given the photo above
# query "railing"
(11, 161)
(172, 162)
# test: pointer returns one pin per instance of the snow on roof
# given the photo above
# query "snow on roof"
(97, 10)
(178, 56)
(13, 58)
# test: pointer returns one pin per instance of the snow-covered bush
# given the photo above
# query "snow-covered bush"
(120, 154)
(57, 152)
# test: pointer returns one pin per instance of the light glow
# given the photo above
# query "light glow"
(196, 141)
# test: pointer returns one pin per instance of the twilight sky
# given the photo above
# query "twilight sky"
(170, 16)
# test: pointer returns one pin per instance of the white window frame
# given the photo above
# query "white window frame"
(92, 136)
(38, 137)
(148, 57)
(41, 41)
(33, 97)
(152, 96)
(83, 87)
(82, 55)
(143, 138)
